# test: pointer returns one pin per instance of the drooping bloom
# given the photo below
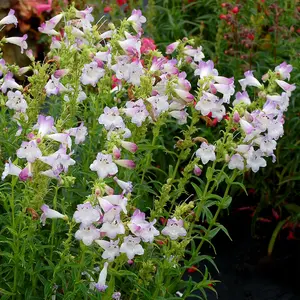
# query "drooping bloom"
(249, 80)
(104, 165)
(111, 118)
(284, 70)
(63, 138)
(236, 162)
(79, 133)
(137, 19)
(86, 214)
(125, 186)
(172, 47)
(174, 229)
(206, 153)
(101, 284)
(91, 73)
(44, 125)
(18, 41)
(49, 213)
(131, 246)
(10, 169)
(9, 19)
(9, 83)
(137, 111)
(140, 227)
(54, 86)
(16, 101)
(255, 160)
(242, 97)
(111, 248)
(30, 151)
(87, 234)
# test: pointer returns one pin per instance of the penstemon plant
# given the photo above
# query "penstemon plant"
(131, 153)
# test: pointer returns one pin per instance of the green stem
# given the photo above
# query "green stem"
(213, 222)
(53, 222)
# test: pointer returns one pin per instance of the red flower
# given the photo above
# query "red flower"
(291, 236)
(147, 44)
(235, 10)
(192, 269)
(223, 17)
(250, 36)
(121, 2)
(107, 9)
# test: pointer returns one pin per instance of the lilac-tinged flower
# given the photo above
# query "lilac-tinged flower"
(86, 214)
(52, 174)
(197, 171)
(236, 162)
(159, 104)
(179, 115)
(91, 73)
(197, 54)
(10, 169)
(284, 70)
(174, 229)
(107, 34)
(184, 95)
(288, 88)
(131, 147)
(104, 165)
(30, 151)
(111, 248)
(255, 160)
(281, 100)
(117, 200)
(9, 83)
(112, 229)
(205, 69)
(3, 67)
(170, 67)
(137, 111)
(126, 163)
(249, 80)
(125, 186)
(49, 213)
(157, 63)
(137, 19)
(275, 129)
(19, 41)
(79, 133)
(16, 101)
(242, 97)
(236, 117)
(131, 246)
(87, 234)
(140, 227)
(25, 174)
(63, 138)
(59, 160)
(206, 153)
(132, 46)
(48, 28)
(116, 296)
(172, 47)
(9, 19)
(246, 126)
(116, 152)
(135, 73)
(267, 145)
(226, 89)
(29, 54)
(111, 118)
(44, 125)
(54, 86)
(101, 284)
